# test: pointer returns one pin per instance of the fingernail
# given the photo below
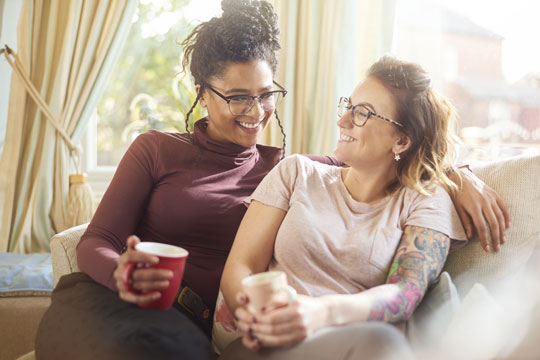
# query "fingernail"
(497, 248)
(487, 248)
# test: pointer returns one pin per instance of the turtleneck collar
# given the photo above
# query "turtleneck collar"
(226, 153)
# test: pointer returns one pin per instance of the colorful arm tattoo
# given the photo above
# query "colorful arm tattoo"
(418, 261)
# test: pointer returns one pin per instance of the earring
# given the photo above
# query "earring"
(397, 157)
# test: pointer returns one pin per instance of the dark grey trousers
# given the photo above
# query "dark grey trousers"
(88, 321)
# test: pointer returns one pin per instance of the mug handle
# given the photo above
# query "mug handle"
(126, 276)
(291, 293)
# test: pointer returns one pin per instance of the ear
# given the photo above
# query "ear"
(202, 100)
(402, 144)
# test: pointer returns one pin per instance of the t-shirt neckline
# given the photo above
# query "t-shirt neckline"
(358, 206)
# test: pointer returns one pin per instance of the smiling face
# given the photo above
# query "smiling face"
(252, 78)
(378, 140)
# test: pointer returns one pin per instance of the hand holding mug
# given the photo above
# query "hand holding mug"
(265, 288)
(149, 274)
(282, 324)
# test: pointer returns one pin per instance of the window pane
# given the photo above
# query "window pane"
(483, 55)
(146, 89)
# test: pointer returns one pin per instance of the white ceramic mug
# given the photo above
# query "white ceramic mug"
(263, 287)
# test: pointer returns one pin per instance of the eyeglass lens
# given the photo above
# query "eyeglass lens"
(360, 113)
(240, 105)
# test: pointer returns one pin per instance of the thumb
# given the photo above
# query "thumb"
(242, 298)
(132, 241)
(274, 304)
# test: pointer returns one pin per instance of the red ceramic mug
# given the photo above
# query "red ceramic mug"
(170, 257)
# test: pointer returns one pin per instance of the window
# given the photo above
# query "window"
(146, 89)
(483, 55)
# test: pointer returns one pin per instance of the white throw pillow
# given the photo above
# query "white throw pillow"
(432, 317)
(479, 328)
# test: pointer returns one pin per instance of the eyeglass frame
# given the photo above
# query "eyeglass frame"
(228, 99)
(369, 113)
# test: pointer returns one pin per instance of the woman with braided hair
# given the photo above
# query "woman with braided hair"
(183, 189)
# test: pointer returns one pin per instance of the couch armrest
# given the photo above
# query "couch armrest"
(64, 256)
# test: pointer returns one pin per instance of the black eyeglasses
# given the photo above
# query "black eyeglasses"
(361, 113)
(242, 104)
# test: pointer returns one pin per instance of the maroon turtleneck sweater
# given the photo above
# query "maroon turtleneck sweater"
(170, 190)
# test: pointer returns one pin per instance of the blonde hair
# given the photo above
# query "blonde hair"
(428, 119)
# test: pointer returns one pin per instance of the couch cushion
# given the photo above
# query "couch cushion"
(25, 274)
(516, 181)
(20, 317)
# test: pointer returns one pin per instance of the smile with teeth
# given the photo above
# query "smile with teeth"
(249, 125)
(346, 138)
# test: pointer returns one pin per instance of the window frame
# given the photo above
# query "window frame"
(99, 177)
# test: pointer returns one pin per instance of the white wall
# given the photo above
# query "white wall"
(9, 16)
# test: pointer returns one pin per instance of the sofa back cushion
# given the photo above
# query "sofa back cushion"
(517, 181)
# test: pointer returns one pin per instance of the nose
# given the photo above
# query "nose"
(345, 120)
(256, 110)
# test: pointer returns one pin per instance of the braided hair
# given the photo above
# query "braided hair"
(246, 31)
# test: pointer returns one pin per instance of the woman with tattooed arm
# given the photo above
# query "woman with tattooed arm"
(360, 243)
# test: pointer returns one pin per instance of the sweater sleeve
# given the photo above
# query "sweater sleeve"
(119, 211)
(324, 159)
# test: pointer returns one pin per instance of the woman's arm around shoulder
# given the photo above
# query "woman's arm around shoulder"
(325, 159)
(480, 208)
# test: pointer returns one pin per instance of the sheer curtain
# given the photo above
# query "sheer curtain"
(67, 48)
(326, 48)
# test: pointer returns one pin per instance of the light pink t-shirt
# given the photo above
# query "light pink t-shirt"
(330, 243)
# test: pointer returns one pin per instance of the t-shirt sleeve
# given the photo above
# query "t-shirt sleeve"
(278, 185)
(119, 211)
(437, 212)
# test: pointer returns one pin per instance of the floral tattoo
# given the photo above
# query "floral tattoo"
(417, 263)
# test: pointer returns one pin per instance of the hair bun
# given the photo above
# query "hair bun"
(232, 6)
(254, 19)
